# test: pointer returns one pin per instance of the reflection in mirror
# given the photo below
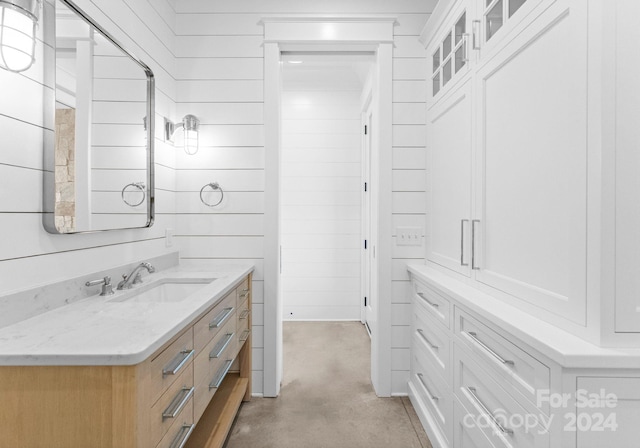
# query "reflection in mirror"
(103, 147)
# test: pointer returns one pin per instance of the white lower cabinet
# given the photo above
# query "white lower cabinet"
(473, 383)
(465, 433)
(608, 415)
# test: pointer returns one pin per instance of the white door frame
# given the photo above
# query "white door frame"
(365, 221)
(328, 34)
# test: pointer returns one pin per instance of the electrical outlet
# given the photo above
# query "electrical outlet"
(168, 237)
(409, 236)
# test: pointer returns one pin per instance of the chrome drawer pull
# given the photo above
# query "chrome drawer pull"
(178, 363)
(217, 380)
(244, 314)
(502, 429)
(426, 339)
(474, 336)
(221, 346)
(435, 305)
(421, 378)
(245, 335)
(183, 435)
(178, 403)
(220, 318)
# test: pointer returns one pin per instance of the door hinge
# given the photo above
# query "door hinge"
(365, 129)
(365, 244)
(365, 186)
(365, 301)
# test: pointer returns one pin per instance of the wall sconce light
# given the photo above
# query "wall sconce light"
(190, 124)
(18, 20)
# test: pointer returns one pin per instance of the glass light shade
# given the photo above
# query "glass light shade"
(190, 124)
(191, 142)
(17, 34)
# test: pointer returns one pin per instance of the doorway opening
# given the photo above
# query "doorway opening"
(325, 210)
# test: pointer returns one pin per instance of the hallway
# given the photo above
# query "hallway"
(326, 398)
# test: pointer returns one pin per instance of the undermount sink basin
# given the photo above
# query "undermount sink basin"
(165, 290)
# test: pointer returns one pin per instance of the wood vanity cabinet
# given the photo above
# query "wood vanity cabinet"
(185, 395)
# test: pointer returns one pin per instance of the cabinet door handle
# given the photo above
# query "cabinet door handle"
(426, 339)
(462, 263)
(183, 435)
(474, 336)
(178, 363)
(217, 380)
(473, 245)
(502, 429)
(465, 46)
(421, 378)
(435, 305)
(476, 38)
(220, 318)
(221, 346)
(178, 403)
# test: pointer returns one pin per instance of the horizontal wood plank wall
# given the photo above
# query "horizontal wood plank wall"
(321, 191)
(220, 77)
(29, 256)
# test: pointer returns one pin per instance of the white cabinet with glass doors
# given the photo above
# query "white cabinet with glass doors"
(508, 151)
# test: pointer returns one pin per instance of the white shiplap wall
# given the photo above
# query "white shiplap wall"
(29, 256)
(320, 191)
(220, 78)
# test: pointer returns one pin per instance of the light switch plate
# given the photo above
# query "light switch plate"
(409, 236)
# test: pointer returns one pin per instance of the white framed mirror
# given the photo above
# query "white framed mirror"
(99, 164)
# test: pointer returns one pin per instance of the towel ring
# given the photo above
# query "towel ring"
(141, 187)
(214, 186)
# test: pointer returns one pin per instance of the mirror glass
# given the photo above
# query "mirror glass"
(100, 163)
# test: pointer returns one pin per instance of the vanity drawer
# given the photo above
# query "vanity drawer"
(243, 322)
(434, 393)
(169, 408)
(210, 324)
(243, 291)
(437, 305)
(222, 346)
(499, 414)
(208, 386)
(517, 370)
(181, 429)
(431, 342)
(169, 364)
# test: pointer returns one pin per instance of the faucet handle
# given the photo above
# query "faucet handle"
(107, 287)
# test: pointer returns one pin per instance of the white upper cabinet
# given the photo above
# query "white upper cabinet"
(531, 181)
(627, 166)
(507, 137)
(449, 144)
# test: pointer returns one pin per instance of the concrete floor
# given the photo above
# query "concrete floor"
(327, 399)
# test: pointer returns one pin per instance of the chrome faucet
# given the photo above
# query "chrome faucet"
(136, 276)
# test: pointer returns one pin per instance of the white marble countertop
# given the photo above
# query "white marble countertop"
(565, 348)
(103, 331)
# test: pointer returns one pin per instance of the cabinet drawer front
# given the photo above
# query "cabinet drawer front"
(518, 370)
(211, 323)
(169, 364)
(206, 389)
(180, 431)
(431, 342)
(465, 433)
(220, 348)
(436, 304)
(434, 393)
(243, 292)
(169, 408)
(500, 415)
